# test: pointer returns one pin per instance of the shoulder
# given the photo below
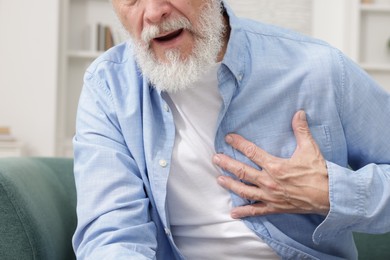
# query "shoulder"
(118, 56)
(117, 65)
(274, 41)
(254, 30)
(115, 74)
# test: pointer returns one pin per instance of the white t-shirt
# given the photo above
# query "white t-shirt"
(199, 208)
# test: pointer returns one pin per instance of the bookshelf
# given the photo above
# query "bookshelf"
(373, 39)
(82, 23)
(9, 146)
(11, 149)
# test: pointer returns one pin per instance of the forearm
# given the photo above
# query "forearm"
(113, 209)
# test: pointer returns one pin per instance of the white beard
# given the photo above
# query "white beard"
(177, 73)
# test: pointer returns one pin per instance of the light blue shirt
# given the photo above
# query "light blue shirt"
(125, 135)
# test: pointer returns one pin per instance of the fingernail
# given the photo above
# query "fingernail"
(234, 214)
(221, 180)
(302, 115)
(228, 139)
(216, 159)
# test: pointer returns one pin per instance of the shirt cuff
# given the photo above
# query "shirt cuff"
(346, 197)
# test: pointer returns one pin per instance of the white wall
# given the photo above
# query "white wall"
(293, 14)
(329, 20)
(334, 22)
(28, 72)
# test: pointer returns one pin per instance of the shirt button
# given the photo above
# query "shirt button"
(166, 107)
(240, 76)
(163, 163)
(167, 232)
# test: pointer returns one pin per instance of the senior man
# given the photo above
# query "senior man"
(207, 136)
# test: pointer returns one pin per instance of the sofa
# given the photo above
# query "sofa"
(37, 208)
(38, 216)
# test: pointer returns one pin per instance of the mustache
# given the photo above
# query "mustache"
(152, 31)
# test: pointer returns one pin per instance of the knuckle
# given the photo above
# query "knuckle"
(303, 128)
(274, 168)
(257, 179)
(242, 193)
(276, 190)
(272, 186)
(241, 172)
(252, 211)
(250, 151)
(258, 197)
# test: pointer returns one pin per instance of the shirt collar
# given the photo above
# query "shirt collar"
(237, 50)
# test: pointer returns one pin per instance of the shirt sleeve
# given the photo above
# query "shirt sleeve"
(360, 195)
(114, 221)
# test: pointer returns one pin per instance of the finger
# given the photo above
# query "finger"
(250, 192)
(301, 128)
(249, 149)
(241, 170)
(256, 209)
(261, 208)
(305, 141)
(243, 190)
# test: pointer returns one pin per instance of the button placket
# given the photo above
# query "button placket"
(166, 107)
(163, 163)
(167, 232)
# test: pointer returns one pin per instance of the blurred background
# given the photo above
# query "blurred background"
(46, 45)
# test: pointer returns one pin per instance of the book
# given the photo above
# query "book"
(101, 37)
(5, 134)
(108, 38)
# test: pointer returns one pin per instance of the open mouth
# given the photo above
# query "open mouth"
(169, 36)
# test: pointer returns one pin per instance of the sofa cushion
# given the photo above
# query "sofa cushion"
(37, 208)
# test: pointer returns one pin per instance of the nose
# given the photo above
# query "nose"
(157, 10)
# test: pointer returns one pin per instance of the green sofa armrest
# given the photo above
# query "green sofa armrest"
(373, 246)
(37, 208)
